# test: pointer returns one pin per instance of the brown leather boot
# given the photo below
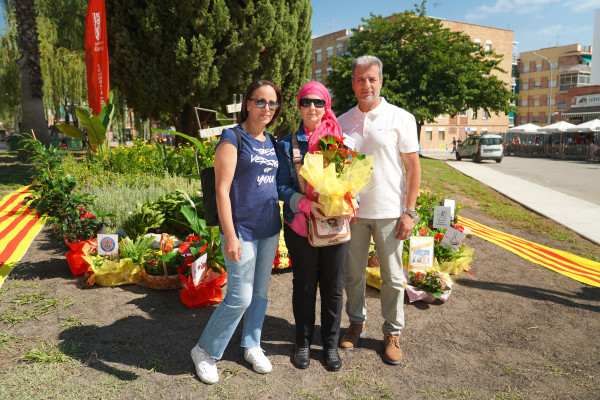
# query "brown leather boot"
(393, 352)
(354, 332)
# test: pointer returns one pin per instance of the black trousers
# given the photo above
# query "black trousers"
(313, 267)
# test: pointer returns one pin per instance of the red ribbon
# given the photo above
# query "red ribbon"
(348, 197)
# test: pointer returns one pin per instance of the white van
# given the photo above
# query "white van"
(488, 146)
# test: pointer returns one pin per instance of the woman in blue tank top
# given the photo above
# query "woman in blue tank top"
(249, 224)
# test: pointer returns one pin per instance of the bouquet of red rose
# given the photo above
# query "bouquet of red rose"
(337, 174)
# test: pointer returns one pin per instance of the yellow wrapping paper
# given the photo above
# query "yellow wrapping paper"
(112, 273)
(332, 187)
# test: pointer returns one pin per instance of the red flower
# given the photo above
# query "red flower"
(422, 232)
(459, 228)
(438, 237)
(188, 261)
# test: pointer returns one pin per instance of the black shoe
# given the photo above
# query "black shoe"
(332, 359)
(302, 357)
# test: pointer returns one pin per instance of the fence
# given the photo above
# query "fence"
(565, 151)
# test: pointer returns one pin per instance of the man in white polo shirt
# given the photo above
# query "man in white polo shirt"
(387, 211)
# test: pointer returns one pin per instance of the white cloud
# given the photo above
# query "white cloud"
(511, 6)
(583, 5)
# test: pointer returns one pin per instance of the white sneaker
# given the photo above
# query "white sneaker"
(206, 366)
(256, 357)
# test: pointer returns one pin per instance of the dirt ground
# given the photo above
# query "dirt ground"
(512, 330)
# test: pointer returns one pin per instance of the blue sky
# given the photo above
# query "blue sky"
(536, 23)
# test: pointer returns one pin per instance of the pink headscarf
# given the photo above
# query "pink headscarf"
(329, 124)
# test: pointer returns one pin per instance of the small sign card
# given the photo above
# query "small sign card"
(349, 141)
(441, 217)
(199, 270)
(421, 252)
(453, 239)
(452, 205)
(108, 244)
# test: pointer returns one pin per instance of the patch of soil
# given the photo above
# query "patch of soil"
(513, 329)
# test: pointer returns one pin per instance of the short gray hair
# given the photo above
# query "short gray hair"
(367, 61)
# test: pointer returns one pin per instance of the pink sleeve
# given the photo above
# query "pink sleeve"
(304, 206)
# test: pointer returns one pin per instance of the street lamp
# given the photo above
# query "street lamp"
(548, 116)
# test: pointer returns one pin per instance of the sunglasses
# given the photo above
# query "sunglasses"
(262, 103)
(317, 102)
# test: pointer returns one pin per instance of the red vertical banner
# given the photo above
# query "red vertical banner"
(96, 55)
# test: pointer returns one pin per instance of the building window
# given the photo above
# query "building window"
(573, 79)
(474, 114)
(429, 135)
(318, 55)
(535, 119)
(318, 75)
(485, 115)
(553, 65)
(538, 67)
(537, 85)
(525, 86)
(330, 51)
(463, 113)
(562, 106)
(536, 102)
(442, 116)
(523, 102)
(441, 136)
(340, 49)
(525, 68)
(488, 45)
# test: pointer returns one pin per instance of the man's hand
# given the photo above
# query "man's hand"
(404, 227)
(316, 210)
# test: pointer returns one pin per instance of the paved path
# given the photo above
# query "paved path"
(577, 214)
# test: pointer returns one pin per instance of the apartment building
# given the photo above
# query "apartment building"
(438, 135)
(545, 77)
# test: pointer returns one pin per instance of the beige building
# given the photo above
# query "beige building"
(437, 135)
(570, 67)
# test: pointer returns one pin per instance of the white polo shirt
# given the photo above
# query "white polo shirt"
(384, 132)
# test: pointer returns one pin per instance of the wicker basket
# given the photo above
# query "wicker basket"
(169, 282)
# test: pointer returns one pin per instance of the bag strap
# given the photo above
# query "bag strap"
(238, 135)
(297, 157)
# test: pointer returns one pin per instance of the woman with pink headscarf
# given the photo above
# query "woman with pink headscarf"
(313, 267)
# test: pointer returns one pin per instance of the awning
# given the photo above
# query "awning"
(586, 57)
(581, 111)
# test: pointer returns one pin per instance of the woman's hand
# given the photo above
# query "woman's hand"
(233, 249)
(316, 210)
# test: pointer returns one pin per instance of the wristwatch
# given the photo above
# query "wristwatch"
(413, 214)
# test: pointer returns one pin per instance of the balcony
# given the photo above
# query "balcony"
(575, 68)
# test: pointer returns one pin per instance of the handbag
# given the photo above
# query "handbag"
(320, 233)
(327, 232)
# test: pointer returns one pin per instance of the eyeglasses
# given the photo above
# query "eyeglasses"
(317, 102)
(262, 103)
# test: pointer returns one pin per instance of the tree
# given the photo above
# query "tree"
(32, 104)
(169, 56)
(10, 81)
(427, 69)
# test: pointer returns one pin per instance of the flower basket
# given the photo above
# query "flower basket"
(206, 293)
(163, 282)
(75, 256)
(416, 294)
(105, 272)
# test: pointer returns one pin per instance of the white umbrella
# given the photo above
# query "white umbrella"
(590, 126)
(527, 128)
(557, 127)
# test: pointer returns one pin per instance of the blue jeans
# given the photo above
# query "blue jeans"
(247, 289)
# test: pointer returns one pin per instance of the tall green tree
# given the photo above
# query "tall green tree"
(32, 104)
(168, 56)
(62, 55)
(428, 70)
(10, 80)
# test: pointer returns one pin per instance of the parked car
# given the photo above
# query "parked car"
(488, 146)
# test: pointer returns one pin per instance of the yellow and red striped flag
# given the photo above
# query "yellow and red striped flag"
(18, 227)
(575, 267)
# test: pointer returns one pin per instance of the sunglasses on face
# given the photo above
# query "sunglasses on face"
(262, 103)
(317, 102)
